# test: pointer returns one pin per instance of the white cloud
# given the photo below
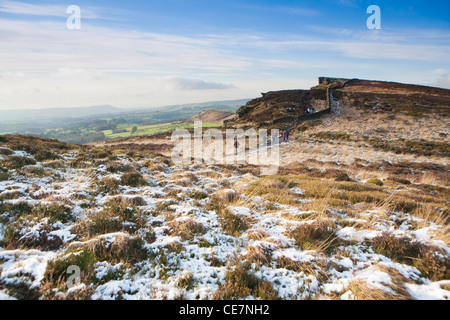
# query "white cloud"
(179, 83)
(443, 81)
(32, 9)
(51, 10)
(439, 71)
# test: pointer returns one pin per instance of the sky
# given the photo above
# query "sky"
(146, 53)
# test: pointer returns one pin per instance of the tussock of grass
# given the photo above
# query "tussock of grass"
(257, 235)
(375, 181)
(13, 239)
(433, 263)
(186, 281)
(113, 218)
(15, 209)
(222, 199)
(56, 164)
(320, 236)
(126, 201)
(240, 283)
(17, 162)
(21, 291)
(259, 254)
(186, 229)
(116, 166)
(108, 185)
(124, 249)
(317, 269)
(155, 166)
(233, 224)
(133, 179)
(6, 152)
(54, 212)
(361, 290)
(43, 155)
(4, 176)
(433, 215)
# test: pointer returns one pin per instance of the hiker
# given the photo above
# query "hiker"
(287, 135)
(284, 135)
(236, 145)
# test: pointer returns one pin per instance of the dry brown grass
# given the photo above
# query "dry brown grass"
(258, 254)
(319, 236)
(257, 235)
(274, 189)
(431, 261)
(430, 214)
(364, 291)
(316, 269)
(186, 229)
(240, 282)
(234, 224)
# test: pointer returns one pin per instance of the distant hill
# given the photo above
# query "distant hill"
(25, 115)
(226, 105)
(84, 125)
(212, 116)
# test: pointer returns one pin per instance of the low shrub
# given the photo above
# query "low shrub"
(375, 181)
(54, 212)
(240, 282)
(133, 179)
(433, 263)
(6, 152)
(232, 224)
(186, 229)
(108, 185)
(315, 236)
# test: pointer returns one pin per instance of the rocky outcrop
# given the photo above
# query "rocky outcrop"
(330, 94)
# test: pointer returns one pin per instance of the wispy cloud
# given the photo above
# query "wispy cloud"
(16, 7)
(53, 10)
(299, 11)
(179, 83)
(293, 10)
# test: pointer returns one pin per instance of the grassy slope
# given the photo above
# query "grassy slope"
(152, 129)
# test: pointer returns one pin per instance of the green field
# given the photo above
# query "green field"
(152, 129)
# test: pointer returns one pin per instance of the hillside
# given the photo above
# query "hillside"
(359, 99)
(212, 116)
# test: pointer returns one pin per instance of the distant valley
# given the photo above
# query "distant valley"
(97, 123)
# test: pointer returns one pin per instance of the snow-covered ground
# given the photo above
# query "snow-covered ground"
(198, 265)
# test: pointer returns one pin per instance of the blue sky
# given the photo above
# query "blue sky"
(154, 53)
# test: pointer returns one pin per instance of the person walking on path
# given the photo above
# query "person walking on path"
(236, 145)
